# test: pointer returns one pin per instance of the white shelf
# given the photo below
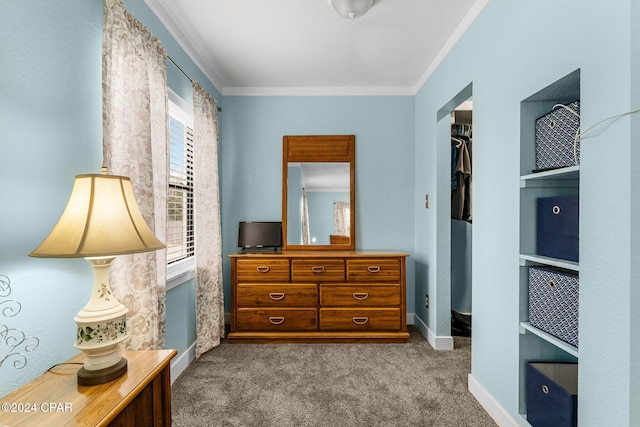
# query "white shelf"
(570, 172)
(562, 177)
(555, 262)
(526, 327)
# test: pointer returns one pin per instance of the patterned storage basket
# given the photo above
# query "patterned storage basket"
(555, 136)
(553, 302)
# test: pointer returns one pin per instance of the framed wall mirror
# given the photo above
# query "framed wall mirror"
(318, 192)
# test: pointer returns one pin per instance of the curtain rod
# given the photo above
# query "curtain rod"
(187, 76)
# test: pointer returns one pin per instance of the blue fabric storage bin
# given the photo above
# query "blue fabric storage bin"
(557, 227)
(552, 394)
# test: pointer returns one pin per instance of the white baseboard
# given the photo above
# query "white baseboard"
(182, 361)
(437, 342)
(493, 408)
(410, 317)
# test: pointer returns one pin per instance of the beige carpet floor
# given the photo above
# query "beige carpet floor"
(329, 385)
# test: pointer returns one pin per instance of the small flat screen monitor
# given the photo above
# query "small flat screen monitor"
(260, 235)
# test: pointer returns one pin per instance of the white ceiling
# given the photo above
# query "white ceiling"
(303, 47)
(319, 176)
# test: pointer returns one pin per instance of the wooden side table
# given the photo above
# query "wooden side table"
(141, 397)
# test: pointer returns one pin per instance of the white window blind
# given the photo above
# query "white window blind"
(180, 231)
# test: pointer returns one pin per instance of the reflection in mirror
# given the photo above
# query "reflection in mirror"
(318, 192)
(318, 211)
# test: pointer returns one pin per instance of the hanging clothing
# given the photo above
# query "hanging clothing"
(460, 174)
(454, 165)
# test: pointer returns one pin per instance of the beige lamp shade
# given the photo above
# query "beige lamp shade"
(101, 218)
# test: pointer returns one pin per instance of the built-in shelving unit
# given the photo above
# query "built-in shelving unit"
(535, 344)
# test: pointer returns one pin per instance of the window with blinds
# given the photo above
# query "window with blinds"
(180, 230)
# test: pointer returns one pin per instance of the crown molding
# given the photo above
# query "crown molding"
(457, 34)
(318, 91)
(192, 51)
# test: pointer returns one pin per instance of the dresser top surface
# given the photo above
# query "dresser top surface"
(74, 404)
(318, 254)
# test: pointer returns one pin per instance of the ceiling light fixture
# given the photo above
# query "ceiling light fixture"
(352, 8)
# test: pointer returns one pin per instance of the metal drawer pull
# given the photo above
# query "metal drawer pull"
(263, 269)
(360, 320)
(373, 269)
(360, 296)
(276, 296)
(318, 269)
(555, 210)
(276, 320)
(545, 389)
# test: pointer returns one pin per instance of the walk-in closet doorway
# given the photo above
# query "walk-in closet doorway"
(461, 217)
(455, 215)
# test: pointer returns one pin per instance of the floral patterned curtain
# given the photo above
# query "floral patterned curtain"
(135, 145)
(341, 218)
(306, 238)
(208, 240)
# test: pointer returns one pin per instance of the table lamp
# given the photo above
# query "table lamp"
(101, 220)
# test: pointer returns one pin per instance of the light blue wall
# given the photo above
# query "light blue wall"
(513, 50)
(181, 316)
(294, 205)
(252, 164)
(634, 300)
(51, 130)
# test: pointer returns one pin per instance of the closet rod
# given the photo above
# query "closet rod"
(187, 76)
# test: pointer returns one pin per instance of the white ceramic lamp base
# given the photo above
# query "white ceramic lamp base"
(102, 326)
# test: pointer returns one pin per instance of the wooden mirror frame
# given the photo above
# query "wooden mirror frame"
(319, 148)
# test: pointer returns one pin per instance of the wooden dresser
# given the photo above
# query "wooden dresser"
(141, 397)
(318, 296)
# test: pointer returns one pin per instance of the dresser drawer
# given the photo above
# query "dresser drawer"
(277, 319)
(372, 269)
(262, 270)
(362, 295)
(277, 295)
(317, 270)
(356, 319)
